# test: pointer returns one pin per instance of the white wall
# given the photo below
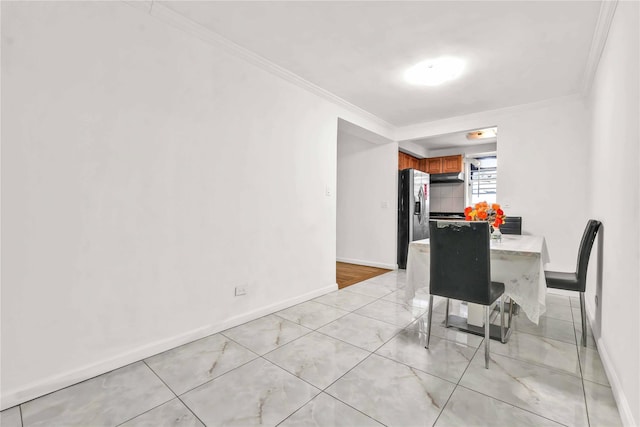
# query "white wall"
(542, 168)
(367, 202)
(614, 183)
(145, 174)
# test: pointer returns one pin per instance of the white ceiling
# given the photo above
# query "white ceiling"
(517, 52)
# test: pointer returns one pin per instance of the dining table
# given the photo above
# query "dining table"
(516, 260)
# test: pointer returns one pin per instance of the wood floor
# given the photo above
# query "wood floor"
(349, 274)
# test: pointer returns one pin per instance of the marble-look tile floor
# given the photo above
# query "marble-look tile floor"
(354, 357)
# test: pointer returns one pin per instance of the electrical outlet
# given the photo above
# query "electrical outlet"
(241, 290)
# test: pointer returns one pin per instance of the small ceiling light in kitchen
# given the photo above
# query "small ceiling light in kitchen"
(435, 71)
(483, 133)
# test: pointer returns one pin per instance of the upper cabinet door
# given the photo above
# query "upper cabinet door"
(434, 165)
(452, 164)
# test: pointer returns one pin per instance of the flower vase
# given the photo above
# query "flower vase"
(496, 235)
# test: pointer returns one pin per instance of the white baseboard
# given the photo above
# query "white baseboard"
(52, 383)
(626, 416)
(563, 292)
(263, 311)
(618, 393)
(616, 388)
(368, 263)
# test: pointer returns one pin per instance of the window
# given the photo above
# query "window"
(483, 180)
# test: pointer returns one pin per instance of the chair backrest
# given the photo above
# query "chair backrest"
(460, 260)
(512, 225)
(584, 253)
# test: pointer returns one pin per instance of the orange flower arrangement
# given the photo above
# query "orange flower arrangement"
(482, 211)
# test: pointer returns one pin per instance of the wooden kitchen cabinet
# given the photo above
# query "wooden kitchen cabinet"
(446, 164)
(433, 165)
(407, 161)
(452, 164)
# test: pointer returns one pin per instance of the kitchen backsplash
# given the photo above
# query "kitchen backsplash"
(447, 197)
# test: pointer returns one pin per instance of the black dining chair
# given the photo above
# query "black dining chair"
(460, 268)
(512, 225)
(577, 281)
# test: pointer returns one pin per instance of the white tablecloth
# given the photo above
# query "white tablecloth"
(517, 261)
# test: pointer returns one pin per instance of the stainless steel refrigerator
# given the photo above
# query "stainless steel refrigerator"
(413, 210)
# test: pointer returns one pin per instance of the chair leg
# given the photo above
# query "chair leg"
(446, 315)
(429, 320)
(511, 303)
(487, 338)
(583, 314)
(502, 318)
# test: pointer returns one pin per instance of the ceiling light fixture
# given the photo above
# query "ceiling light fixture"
(483, 133)
(435, 71)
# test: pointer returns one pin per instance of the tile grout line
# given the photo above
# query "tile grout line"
(261, 356)
(399, 330)
(509, 403)
(578, 344)
(230, 370)
(74, 384)
(547, 367)
(540, 364)
(456, 385)
(527, 362)
(170, 389)
(476, 350)
(303, 405)
(356, 365)
(584, 391)
(387, 358)
(512, 405)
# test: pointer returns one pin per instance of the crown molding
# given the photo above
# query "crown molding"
(398, 133)
(177, 20)
(598, 42)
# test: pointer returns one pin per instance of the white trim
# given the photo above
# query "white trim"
(598, 42)
(368, 263)
(616, 387)
(177, 20)
(168, 16)
(52, 383)
(562, 292)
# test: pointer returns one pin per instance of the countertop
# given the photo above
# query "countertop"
(446, 215)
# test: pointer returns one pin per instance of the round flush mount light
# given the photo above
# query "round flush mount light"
(434, 72)
(483, 133)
